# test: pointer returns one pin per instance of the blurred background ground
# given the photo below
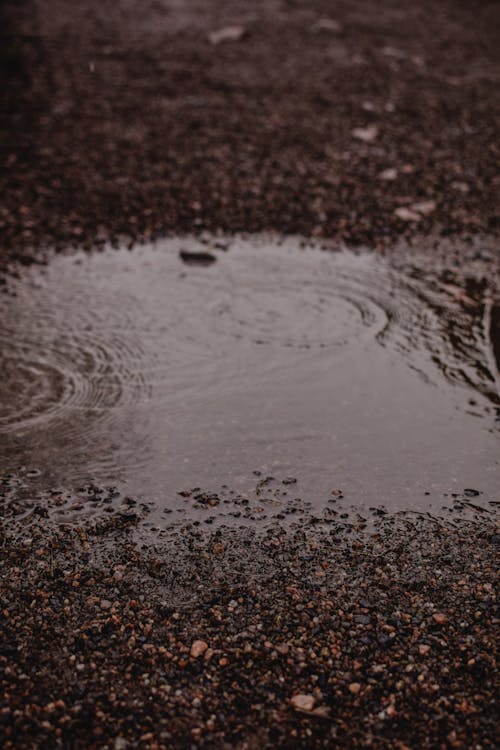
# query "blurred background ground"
(359, 121)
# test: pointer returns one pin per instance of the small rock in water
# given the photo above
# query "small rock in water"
(468, 492)
(227, 34)
(198, 648)
(196, 259)
(302, 702)
(367, 134)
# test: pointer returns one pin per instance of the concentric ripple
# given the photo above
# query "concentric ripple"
(140, 368)
(48, 376)
(40, 388)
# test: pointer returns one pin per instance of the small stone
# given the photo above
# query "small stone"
(302, 702)
(191, 258)
(388, 175)
(362, 619)
(321, 711)
(367, 135)
(198, 648)
(439, 618)
(106, 604)
(226, 34)
(406, 214)
(354, 688)
(423, 649)
(424, 207)
(469, 492)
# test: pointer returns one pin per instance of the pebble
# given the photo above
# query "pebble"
(367, 135)
(388, 174)
(423, 207)
(198, 648)
(440, 618)
(303, 702)
(406, 214)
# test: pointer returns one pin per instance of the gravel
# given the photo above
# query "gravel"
(235, 639)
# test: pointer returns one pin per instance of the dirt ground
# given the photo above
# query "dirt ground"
(321, 118)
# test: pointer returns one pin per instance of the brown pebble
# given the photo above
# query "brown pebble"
(302, 702)
(198, 648)
(440, 618)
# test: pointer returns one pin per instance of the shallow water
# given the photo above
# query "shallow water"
(156, 371)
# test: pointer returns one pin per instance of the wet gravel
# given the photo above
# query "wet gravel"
(245, 640)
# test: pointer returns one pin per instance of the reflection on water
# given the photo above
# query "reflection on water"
(156, 372)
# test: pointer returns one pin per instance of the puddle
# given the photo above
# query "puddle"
(178, 366)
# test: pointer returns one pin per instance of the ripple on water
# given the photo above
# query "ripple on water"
(137, 368)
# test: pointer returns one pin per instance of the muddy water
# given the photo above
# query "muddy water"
(161, 370)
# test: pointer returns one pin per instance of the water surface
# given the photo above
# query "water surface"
(158, 371)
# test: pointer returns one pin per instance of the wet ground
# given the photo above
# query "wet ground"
(237, 640)
(245, 380)
(318, 118)
(291, 584)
